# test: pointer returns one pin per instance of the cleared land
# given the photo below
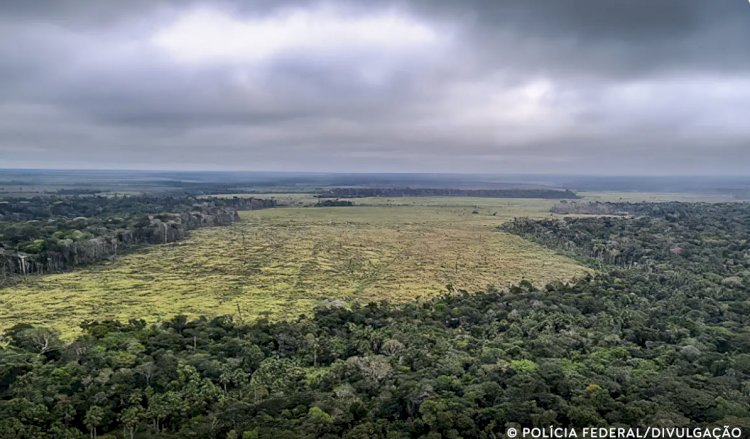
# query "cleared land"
(655, 197)
(504, 206)
(284, 261)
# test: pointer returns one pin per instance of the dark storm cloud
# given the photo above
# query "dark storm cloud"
(636, 86)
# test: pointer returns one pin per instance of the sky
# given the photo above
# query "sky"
(622, 87)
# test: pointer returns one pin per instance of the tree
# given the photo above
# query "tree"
(93, 418)
(131, 418)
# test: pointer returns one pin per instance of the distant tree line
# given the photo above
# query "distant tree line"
(657, 337)
(334, 203)
(49, 234)
(361, 192)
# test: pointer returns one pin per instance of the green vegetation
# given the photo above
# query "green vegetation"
(285, 261)
(658, 336)
(362, 192)
(53, 233)
(289, 199)
(301, 199)
(502, 207)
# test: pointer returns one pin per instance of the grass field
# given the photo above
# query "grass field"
(653, 197)
(507, 207)
(284, 261)
(504, 206)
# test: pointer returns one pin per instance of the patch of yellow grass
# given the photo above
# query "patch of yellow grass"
(284, 261)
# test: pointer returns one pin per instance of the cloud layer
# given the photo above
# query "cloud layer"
(571, 86)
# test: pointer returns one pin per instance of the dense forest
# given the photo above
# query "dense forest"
(660, 336)
(52, 233)
(360, 192)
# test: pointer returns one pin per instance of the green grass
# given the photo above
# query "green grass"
(284, 261)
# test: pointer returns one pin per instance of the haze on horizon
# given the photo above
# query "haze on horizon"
(495, 86)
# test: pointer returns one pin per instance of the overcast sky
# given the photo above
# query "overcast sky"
(498, 86)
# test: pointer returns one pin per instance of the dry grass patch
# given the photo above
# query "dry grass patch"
(284, 261)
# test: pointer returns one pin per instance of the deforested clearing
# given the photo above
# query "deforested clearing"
(282, 262)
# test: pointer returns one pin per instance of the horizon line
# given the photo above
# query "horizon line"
(247, 171)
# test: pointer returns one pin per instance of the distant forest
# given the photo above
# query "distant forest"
(361, 192)
(659, 336)
(52, 233)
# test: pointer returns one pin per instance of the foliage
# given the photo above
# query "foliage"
(53, 233)
(654, 338)
(360, 192)
(334, 203)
